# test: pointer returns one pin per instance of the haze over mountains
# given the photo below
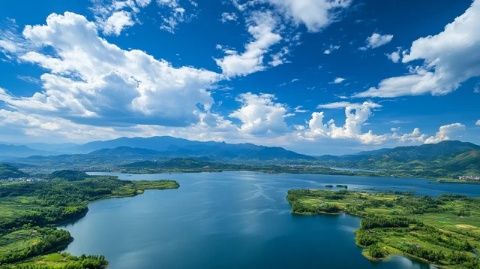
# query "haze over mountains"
(445, 159)
(154, 147)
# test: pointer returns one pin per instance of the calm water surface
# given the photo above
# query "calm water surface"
(233, 220)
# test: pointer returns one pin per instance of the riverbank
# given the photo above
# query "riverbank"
(444, 231)
(31, 210)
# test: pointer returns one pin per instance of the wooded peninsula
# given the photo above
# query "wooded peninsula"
(444, 231)
(30, 212)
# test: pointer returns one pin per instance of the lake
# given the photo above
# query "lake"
(233, 220)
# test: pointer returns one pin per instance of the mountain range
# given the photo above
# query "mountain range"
(106, 154)
(445, 159)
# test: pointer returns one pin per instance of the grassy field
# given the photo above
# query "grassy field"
(444, 231)
(29, 212)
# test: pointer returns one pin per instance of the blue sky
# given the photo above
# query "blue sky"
(316, 76)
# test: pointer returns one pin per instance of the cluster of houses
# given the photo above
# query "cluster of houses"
(21, 179)
(472, 178)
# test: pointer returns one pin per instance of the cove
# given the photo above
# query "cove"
(234, 220)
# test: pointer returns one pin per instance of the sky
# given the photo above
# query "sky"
(314, 76)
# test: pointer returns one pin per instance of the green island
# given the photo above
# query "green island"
(31, 210)
(444, 231)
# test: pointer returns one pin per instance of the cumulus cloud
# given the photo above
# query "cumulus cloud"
(356, 115)
(260, 114)
(450, 58)
(93, 81)
(416, 136)
(261, 25)
(445, 132)
(477, 123)
(270, 25)
(314, 14)
(394, 56)
(117, 22)
(377, 40)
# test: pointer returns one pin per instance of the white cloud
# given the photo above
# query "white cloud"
(334, 105)
(117, 22)
(445, 132)
(260, 114)
(300, 109)
(55, 128)
(416, 136)
(176, 15)
(10, 42)
(450, 58)
(113, 16)
(280, 57)
(477, 123)
(331, 49)
(269, 25)
(377, 40)
(261, 26)
(314, 14)
(93, 81)
(338, 80)
(228, 17)
(394, 56)
(356, 115)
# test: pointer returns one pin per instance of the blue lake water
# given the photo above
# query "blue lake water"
(233, 220)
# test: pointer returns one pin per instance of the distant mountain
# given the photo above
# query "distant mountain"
(426, 151)
(107, 155)
(167, 146)
(8, 171)
(445, 159)
(16, 151)
(125, 152)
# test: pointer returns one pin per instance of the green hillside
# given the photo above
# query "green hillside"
(8, 171)
(448, 159)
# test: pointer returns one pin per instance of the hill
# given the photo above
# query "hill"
(69, 175)
(8, 171)
(445, 159)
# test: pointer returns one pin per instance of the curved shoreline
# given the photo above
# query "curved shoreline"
(40, 251)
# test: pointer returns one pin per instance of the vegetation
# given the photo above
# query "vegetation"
(69, 175)
(444, 231)
(446, 161)
(193, 165)
(60, 261)
(8, 171)
(29, 212)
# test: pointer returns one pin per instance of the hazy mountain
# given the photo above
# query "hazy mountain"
(106, 155)
(177, 147)
(17, 151)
